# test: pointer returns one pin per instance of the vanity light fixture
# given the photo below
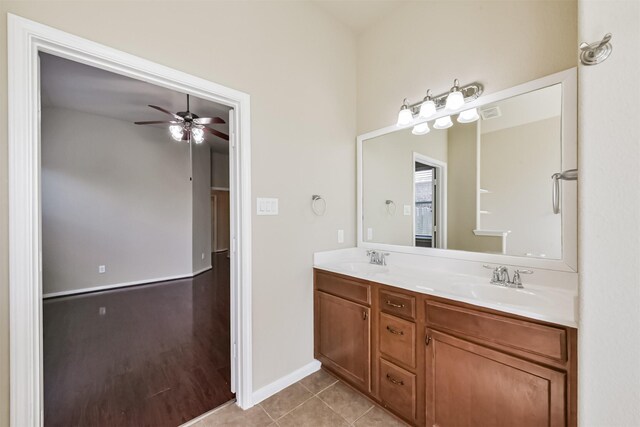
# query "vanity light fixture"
(405, 116)
(443, 123)
(468, 116)
(421, 129)
(455, 99)
(428, 107)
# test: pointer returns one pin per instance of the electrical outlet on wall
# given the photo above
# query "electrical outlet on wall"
(340, 236)
(102, 269)
(203, 256)
(407, 210)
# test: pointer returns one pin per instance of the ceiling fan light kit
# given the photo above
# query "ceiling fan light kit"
(187, 126)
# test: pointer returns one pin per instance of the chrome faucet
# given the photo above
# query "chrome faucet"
(500, 276)
(377, 257)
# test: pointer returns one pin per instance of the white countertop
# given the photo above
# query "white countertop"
(549, 302)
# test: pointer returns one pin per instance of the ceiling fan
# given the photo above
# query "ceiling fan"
(186, 125)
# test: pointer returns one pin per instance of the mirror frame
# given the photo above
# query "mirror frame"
(569, 160)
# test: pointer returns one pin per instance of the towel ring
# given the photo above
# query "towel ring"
(318, 205)
(391, 207)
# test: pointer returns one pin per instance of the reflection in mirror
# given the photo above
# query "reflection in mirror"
(483, 186)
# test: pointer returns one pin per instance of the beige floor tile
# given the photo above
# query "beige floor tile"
(318, 381)
(284, 401)
(313, 413)
(232, 415)
(378, 417)
(345, 401)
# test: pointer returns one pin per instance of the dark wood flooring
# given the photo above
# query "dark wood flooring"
(152, 355)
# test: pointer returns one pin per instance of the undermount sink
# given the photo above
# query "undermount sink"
(499, 294)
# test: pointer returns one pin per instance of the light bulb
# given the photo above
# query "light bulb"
(421, 129)
(404, 116)
(176, 132)
(468, 116)
(198, 135)
(455, 99)
(428, 107)
(443, 123)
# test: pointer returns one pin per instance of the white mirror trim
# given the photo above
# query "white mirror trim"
(569, 261)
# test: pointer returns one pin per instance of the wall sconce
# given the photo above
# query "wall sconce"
(450, 101)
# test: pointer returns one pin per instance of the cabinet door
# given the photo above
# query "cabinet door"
(343, 338)
(471, 385)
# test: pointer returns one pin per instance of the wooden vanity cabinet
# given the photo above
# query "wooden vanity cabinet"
(439, 362)
(342, 333)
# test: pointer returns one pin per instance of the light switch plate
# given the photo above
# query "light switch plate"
(407, 209)
(266, 206)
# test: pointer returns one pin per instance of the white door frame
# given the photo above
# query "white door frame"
(25, 39)
(441, 197)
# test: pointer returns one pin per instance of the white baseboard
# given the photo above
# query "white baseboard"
(122, 285)
(284, 382)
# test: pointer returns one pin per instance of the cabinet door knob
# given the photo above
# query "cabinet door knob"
(364, 315)
(427, 340)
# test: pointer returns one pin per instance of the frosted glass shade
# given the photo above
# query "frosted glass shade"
(198, 135)
(468, 116)
(404, 117)
(443, 123)
(455, 100)
(176, 132)
(427, 109)
(421, 129)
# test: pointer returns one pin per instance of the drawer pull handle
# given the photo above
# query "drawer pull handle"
(393, 304)
(395, 381)
(393, 331)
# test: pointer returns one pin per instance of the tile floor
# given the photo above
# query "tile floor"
(319, 400)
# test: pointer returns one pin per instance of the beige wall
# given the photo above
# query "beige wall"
(516, 165)
(498, 43)
(609, 229)
(281, 53)
(388, 175)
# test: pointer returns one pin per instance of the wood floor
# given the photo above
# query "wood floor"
(153, 355)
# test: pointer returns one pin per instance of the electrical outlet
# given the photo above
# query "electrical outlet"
(407, 210)
(102, 311)
(102, 269)
(203, 256)
(369, 233)
(340, 236)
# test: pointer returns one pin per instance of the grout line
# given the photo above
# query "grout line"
(327, 387)
(334, 411)
(268, 414)
(365, 413)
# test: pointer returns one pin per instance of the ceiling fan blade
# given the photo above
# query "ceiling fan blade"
(208, 120)
(157, 122)
(216, 133)
(175, 116)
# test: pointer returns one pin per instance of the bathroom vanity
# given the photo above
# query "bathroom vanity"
(412, 317)
(439, 361)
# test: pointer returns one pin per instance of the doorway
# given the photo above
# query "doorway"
(26, 40)
(429, 202)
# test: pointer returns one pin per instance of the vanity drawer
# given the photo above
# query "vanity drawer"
(398, 389)
(521, 335)
(398, 304)
(342, 287)
(398, 339)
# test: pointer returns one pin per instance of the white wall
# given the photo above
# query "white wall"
(201, 208)
(113, 194)
(219, 170)
(609, 229)
(281, 53)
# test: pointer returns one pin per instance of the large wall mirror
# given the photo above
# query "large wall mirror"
(481, 190)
